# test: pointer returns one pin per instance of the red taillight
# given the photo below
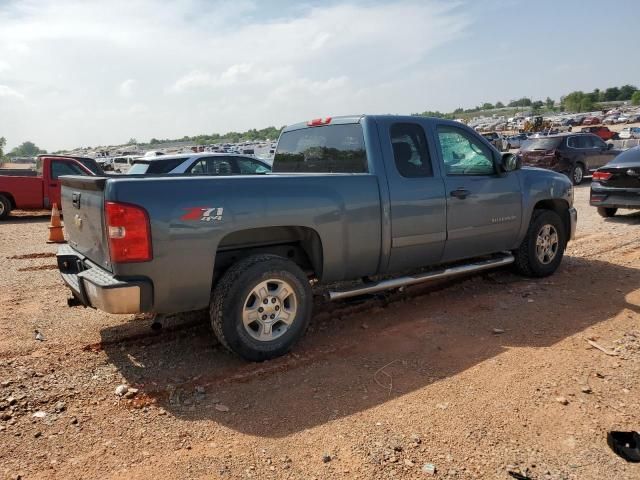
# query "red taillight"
(319, 121)
(602, 176)
(128, 232)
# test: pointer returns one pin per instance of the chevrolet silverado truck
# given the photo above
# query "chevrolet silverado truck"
(36, 189)
(373, 202)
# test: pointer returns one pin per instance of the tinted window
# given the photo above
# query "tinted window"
(328, 149)
(463, 154)
(212, 166)
(542, 143)
(59, 168)
(410, 150)
(579, 141)
(163, 166)
(247, 166)
(91, 165)
(597, 142)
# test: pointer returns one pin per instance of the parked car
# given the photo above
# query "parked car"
(199, 164)
(351, 198)
(28, 189)
(494, 139)
(574, 154)
(515, 141)
(617, 184)
(629, 132)
(591, 121)
(603, 132)
(610, 120)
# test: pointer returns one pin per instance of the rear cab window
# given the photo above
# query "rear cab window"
(323, 149)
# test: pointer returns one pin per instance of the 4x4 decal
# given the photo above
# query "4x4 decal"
(204, 214)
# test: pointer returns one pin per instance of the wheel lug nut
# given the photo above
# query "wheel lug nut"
(273, 315)
(273, 300)
(277, 308)
(265, 301)
(260, 309)
(264, 317)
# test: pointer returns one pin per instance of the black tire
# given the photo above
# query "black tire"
(231, 293)
(576, 175)
(526, 259)
(5, 207)
(607, 212)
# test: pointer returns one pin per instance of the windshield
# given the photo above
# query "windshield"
(91, 165)
(328, 149)
(547, 143)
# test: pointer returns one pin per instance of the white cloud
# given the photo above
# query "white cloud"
(6, 91)
(108, 71)
(126, 88)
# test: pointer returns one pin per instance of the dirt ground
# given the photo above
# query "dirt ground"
(376, 389)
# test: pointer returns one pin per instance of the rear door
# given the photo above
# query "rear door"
(484, 209)
(416, 190)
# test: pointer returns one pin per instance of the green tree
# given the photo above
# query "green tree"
(626, 92)
(499, 105)
(487, 106)
(27, 149)
(132, 141)
(635, 98)
(578, 101)
(537, 105)
(549, 103)
(3, 143)
(611, 94)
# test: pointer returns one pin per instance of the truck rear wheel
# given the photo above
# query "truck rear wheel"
(261, 307)
(541, 251)
(5, 207)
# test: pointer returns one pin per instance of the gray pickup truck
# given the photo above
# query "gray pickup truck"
(379, 201)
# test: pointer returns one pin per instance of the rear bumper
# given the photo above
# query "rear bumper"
(573, 221)
(614, 197)
(95, 287)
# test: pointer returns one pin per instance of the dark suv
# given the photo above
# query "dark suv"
(574, 154)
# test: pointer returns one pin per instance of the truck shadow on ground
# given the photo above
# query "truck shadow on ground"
(628, 217)
(14, 219)
(358, 356)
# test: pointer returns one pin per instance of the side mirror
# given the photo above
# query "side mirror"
(509, 162)
(609, 146)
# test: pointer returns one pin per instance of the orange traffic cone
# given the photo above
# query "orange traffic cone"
(55, 229)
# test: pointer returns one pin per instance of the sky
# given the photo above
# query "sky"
(88, 73)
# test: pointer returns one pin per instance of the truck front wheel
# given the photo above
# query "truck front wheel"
(541, 251)
(5, 207)
(261, 306)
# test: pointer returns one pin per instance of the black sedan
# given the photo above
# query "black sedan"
(617, 184)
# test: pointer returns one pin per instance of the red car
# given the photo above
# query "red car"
(603, 132)
(591, 121)
(34, 190)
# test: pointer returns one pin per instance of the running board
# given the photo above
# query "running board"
(412, 280)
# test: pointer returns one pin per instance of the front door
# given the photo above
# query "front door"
(601, 154)
(484, 209)
(416, 190)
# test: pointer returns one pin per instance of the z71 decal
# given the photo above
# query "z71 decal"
(204, 214)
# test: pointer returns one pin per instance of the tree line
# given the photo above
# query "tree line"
(576, 101)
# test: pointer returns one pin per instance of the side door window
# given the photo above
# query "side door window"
(463, 154)
(410, 150)
(597, 142)
(211, 166)
(60, 168)
(246, 166)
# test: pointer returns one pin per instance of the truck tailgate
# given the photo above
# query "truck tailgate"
(83, 211)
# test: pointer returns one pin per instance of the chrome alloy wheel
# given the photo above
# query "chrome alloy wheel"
(269, 310)
(547, 244)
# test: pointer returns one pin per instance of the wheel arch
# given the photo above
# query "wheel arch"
(559, 206)
(9, 197)
(300, 244)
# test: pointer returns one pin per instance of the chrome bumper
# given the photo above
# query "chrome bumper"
(94, 287)
(573, 219)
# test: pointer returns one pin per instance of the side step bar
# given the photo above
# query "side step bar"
(506, 259)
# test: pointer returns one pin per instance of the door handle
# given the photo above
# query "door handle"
(460, 193)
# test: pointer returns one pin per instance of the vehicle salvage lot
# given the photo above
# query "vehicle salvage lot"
(376, 389)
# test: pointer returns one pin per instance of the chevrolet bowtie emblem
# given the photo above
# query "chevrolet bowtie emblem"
(633, 173)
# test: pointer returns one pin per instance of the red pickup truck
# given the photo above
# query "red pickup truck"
(28, 189)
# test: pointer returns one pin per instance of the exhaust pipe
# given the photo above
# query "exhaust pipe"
(415, 279)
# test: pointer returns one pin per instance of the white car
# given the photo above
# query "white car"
(200, 164)
(629, 132)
